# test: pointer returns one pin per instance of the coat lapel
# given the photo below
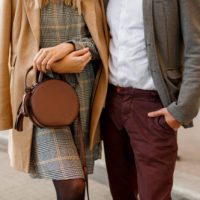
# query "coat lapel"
(93, 14)
(105, 3)
(88, 9)
(33, 15)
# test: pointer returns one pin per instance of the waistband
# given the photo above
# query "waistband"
(137, 93)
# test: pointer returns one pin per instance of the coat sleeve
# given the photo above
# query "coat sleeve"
(5, 35)
(187, 106)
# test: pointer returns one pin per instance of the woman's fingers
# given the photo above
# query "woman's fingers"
(85, 59)
(47, 56)
(80, 52)
(50, 62)
(45, 61)
(72, 63)
(35, 60)
(86, 56)
(41, 59)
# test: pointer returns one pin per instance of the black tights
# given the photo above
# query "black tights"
(73, 189)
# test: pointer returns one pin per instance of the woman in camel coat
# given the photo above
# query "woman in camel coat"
(26, 35)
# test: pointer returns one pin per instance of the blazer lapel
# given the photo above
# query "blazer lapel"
(33, 15)
(148, 20)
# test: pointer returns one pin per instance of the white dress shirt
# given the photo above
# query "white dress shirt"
(128, 63)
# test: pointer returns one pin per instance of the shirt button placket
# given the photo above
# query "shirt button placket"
(120, 40)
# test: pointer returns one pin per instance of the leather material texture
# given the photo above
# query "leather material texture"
(50, 103)
(54, 103)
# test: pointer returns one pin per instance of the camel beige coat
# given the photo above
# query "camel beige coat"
(19, 43)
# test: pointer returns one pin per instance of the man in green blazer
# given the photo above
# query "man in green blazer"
(154, 88)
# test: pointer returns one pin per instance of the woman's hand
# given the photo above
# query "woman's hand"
(47, 56)
(74, 62)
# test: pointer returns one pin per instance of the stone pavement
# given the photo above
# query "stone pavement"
(19, 186)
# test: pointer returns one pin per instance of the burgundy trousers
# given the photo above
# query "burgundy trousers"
(140, 151)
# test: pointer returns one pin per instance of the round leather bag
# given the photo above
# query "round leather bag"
(54, 103)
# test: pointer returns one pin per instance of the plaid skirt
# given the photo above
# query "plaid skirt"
(54, 152)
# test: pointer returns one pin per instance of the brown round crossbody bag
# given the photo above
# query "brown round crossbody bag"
(48, 103)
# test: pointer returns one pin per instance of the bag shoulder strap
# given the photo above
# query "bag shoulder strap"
(83, 153)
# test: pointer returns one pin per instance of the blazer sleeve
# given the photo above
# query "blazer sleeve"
(5, 35)
(187, 106)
